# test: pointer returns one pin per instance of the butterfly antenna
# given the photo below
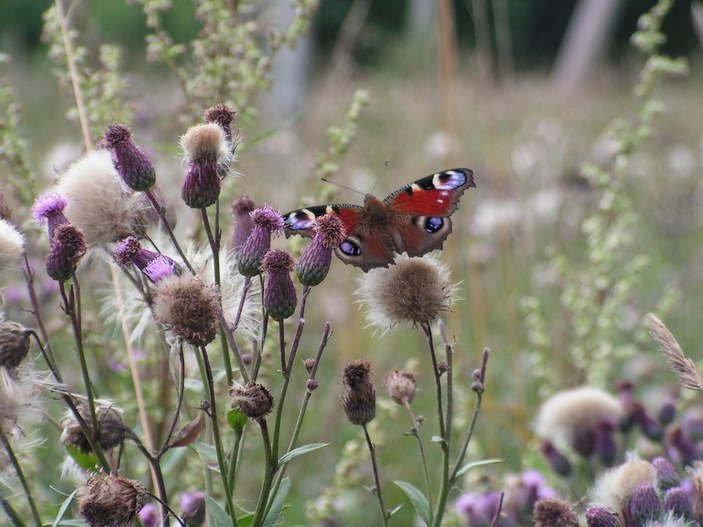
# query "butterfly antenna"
(342, 186)
(385, 165)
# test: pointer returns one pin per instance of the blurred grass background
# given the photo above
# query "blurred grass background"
(525, 139)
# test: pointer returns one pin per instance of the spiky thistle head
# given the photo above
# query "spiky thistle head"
(266, 222)
(222, 115)
(314, 263)
(400, 385)
(253, 400)
(358, 396)
(206, 150)
(14, 344)
(243, 224)
(280, 297)
(111, 428)
(49, 210)
(553, 512)
(131, 162)
(109, 500)
(67, 248)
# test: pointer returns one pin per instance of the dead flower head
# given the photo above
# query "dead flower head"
(359, 396)
(253, 400)
(111, 501)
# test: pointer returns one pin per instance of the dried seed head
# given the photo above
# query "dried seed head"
(266, 221)
(253, 400)
(188, 308)
(48, 209)
(11, 245)
(205, 140)
(110, 501)
(442, 367)
(111, 428)
(280, 297)
(600, 517)
(614, 487)
(554, 512)
(358, 397)
(223, 115)
(414, 289)
(243, 224)
(131, 163)
(14, 344)
(67, 248)
(400, 385)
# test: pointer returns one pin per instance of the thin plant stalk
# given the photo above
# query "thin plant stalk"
(20, 475)
(154, 463)
(177, 413)
(11, 513)
(171, 512)
(216, 433)
(229, 335)
(423, 459)
(29, 279)
(271, 463)
(169, 230)
(377, 481)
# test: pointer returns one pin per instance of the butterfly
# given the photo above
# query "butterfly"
(413, 219)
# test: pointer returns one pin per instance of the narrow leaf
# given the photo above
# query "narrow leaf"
(64, 507)
(297, 452)
(86, 461)
(218, 516)
(418, 499)
(277, 503)
(207, 455)
(463, 470)
(394, 510)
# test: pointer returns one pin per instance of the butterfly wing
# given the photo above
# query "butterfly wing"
(301, 221)
(420, 211)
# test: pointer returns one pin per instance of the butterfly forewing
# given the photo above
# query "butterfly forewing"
(301, 221)
(436, 195)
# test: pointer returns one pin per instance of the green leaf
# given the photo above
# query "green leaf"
(207, 455)
(418, 499)
(64, 507)
(463, 470)
(394, 510)
(236, 420)
(246, 520)
(277, 504)
(218, 516)
(297, 452)
(86, 461)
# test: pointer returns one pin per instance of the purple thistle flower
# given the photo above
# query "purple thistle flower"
(202, 185)
(316, 259)
(67, 248)
(650, 428)
(243, 224)
(159, 268)
(666, 473)
(680, 448)
(131, 163)
(49, 209)
(155, 266)
(677, 503)
(266, 221)
(644, 504)
(193, 508)
(606, 449)
(280, 297)
(478, 509)
(149, 516)
(600, 517)
(556, 460)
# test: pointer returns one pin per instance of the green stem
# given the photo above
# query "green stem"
(233, 459)
(11, 512)
(415, 432)
(20, 475)
(259, 515)
(377, 481)
(162, 214)
(216, 433)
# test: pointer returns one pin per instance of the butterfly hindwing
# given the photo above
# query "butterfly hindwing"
(436, 195)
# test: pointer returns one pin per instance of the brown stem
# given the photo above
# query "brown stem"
(377, 481)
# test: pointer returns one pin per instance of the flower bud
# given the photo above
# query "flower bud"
(49, 210)
(266, 221)
(222, 115)
(358, 397)
(681, 449)
(67, 248)
(554, 512)
(243, 224)
(111, 428)
(155, 266)
(14, 344)
(666, 473)
(149, 516)
(605, 446)
(108, 500)
(193, 508)
(311, 385)
(442, 367)
(131, 163)
(558, 462)
(316, 259)
(309, 364)
(280, 298)
(400, 385)
(676, 503)
(206, 149)
(253, 400)
(644, 504)
(667, 412)
(600, 517)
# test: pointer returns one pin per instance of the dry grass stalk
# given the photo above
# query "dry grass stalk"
(682, 366)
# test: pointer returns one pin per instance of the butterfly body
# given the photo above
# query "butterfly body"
(414, 219)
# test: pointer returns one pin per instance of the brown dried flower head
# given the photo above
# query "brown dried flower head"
(188, 307)
(400, 385)
(111, 501)
(358, 397)
(14, 344)
(111, 428)
(553, 512)
(253, 400)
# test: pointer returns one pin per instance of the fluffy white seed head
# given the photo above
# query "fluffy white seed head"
(206, 140)
(11, 245)
(614, 487)
(99, 203)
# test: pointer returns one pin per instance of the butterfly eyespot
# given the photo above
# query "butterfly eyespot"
(300, 220)
(350, 248)
(449, 180)
(433, 224)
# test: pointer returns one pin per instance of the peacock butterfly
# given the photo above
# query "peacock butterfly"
(413, 219)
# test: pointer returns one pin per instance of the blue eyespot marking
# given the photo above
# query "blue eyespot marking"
(350, 248)
(449, 180)
(300, 220)
(433, 224)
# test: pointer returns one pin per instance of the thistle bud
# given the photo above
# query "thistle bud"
(600, 517)
(131, 163)
(193, 508)
(266, 221)
(557, 461)
(693, 427)
(111, 428)
(681, 448)
(155, 266)
(442, 367)
(644, 504)
(358, 397)
(222, 115)
(605, 446)
(243, 224)
(149, 516)
(67, 248)
(666, 473)
(14, 344)
(667, 412)
(188, 308)
(400, 385)
(48, 209)
(311, 385)
(676, 503)
(554, 512)
(316, 259)
(206, 150)
(280, 297)
(309, 364)
(253, 400)
(108, 500)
